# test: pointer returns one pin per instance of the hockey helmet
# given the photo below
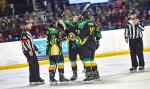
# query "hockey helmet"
(86, 14)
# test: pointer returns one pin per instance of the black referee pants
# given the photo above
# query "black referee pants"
(34, 74)
(136, 50)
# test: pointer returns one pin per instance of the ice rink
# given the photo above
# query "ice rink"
(114, 72)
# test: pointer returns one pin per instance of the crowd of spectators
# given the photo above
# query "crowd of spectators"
(11, 28)
(112, 15)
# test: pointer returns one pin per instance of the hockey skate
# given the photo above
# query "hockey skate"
(96, 76)
(141, 68)
(32, 83)
(74, 77)
(53, 81)
(88, 77)
(63, 80)
(133, 69)
(39, 82)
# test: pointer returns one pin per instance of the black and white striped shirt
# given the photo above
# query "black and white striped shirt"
(27, 41)
(134, 30)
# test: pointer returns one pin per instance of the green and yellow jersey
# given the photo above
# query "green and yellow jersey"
(53, 42)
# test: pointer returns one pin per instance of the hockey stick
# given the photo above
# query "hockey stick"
(84, 9)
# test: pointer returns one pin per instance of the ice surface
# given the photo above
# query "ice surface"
(114, 72)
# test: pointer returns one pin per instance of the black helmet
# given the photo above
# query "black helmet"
(60, 13)
(132, 12)
(27, 22)
(86, 14)
(51, 20)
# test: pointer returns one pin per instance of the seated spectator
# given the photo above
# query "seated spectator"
(0, 24)
(10, 38)
(1, 38)
(148, 16)
(36, 32)
(42, 34)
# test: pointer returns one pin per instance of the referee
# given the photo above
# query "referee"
(133, 35)
(29, 49)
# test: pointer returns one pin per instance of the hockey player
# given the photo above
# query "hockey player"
(29, 49)
(71, 32)
(88, 37)
(54, 50)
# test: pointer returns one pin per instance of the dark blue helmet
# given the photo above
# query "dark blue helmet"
(51, 20)
(132, 12)
(86, 14)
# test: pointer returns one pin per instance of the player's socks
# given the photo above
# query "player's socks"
(51, 76)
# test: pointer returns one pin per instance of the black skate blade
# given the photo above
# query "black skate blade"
(88, 82)
(60, 83)
(54, 84)
(36, 83)
(83, 82)
(96, 81)
(32, 84)
(74, 83)
(64, 83)
(40, 83)
(140, 71)
(73, 79)
(133, 71)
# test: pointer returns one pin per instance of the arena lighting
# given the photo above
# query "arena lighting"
(98, 1)
(78, 1)
(84, 1)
